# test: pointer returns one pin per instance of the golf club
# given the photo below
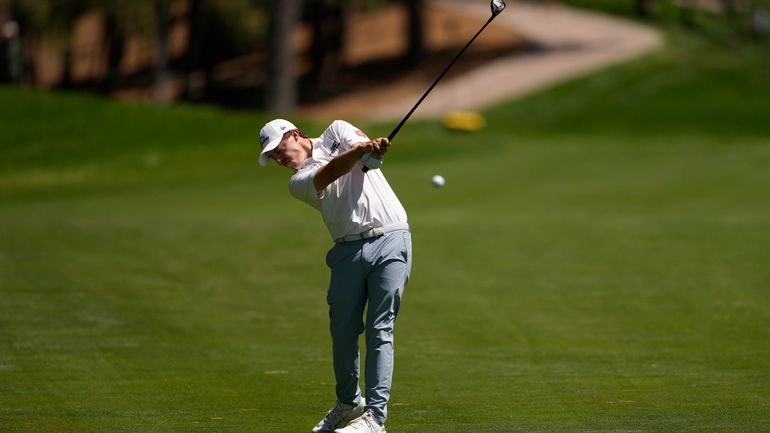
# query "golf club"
(497, 7)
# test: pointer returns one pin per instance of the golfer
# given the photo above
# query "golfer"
(370, 261)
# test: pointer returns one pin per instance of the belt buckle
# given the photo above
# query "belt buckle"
(366, 234)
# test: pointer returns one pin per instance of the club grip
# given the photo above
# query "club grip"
(392, 135)
(371, 160)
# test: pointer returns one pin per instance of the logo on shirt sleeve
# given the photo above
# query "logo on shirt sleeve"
(335, 147)
(360, 133)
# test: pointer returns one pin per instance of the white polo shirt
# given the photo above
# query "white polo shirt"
(357, 201)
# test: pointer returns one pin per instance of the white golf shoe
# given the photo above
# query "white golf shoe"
(363, 424)
(338, 416)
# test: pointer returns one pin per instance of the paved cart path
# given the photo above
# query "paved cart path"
(570, 42)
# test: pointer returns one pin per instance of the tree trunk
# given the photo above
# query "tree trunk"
(645, 8)
(687, 11)
(162, 89)
(315, 11)
(281, 91)
(115, 41)
(328, 23)
(6, 39)
(416, 31)
(729, 7)
(192, 57)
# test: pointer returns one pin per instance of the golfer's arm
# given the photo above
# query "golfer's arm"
(339, 166)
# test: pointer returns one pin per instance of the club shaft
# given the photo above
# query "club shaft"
(408, 115)
(425, 95)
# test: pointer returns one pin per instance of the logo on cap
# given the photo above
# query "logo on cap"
(263, 139)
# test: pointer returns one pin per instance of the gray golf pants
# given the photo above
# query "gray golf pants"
(374, 270)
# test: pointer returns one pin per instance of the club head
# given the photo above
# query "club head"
(497, 7)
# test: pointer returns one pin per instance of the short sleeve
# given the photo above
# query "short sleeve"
(347, 134)
(302, 187)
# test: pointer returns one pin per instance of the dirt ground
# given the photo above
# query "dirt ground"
(528, 47)
(380, 36)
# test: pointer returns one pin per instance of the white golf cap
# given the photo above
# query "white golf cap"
(271, 135)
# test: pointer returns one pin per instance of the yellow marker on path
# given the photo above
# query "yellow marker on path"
(467, 121)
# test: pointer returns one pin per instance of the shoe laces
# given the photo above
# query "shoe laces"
(365, 420)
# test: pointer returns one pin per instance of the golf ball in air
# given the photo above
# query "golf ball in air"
(438, 181)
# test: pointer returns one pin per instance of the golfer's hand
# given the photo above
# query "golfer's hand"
(380, 145)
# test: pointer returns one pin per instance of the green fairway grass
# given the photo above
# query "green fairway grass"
(598, 261)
